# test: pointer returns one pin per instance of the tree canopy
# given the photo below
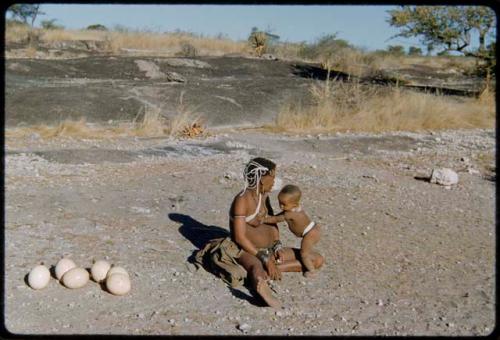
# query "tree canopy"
(25, 12)
(447, 27)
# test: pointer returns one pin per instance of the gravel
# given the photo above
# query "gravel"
(421, 268)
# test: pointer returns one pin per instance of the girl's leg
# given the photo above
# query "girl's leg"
(289, 261)
(292, 260)
(258, 276)
(306, 249)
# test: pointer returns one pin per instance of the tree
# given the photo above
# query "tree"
(51, 24)
(447, 27)
(97, 27)
(25, 12)
(414, 51)
(397, 50)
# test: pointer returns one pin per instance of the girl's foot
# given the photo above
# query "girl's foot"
(310, 274)
(266, 294)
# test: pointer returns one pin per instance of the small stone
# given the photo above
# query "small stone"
(244, 327)
(140, 315)
(444, 176)
(279, 313)
(171, 321)
(380, 303)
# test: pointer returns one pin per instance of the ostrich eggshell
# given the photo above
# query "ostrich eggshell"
(99, 270)
(63, 266)
(118, 284)
(75, 278)
(117, 270)
(39, 277)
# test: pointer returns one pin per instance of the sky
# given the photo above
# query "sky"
(361, 25)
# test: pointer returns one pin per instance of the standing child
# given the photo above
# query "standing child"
(299, 223)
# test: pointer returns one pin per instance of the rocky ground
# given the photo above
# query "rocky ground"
(224, 90)
(403, 256)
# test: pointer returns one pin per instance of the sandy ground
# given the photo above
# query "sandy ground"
(404, 256)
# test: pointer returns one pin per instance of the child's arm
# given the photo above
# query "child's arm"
(274, 219)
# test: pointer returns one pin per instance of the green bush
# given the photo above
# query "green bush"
(326, 45)
(396, 50)
(414, 51)
(97, 27)
(51, 25)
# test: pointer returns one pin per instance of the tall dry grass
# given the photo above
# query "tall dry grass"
(353, 107)
(151, 121)
(167, 43)
(69, 35)
(173, 42)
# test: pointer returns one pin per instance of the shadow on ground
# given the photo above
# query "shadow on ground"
(318, 73)
(199, 234)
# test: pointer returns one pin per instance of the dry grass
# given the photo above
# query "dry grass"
(149, 122)
(15, 33)
(166, 43)
(352, 107)
(173, 42)
(66, 128)
(69, 35)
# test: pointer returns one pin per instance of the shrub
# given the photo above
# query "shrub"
(187, 50)
(258, 41)
(51, 25)
(97, 27)
(414, 51)
(396, 50)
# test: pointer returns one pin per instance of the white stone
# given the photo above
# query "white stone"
(244, 327)
(444, 176)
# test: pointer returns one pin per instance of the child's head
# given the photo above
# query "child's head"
(289, 197)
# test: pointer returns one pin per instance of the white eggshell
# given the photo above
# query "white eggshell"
(118, 284)
(39, 277)
(99, 270)
(75, 278)
(117, 270)
(63, 266)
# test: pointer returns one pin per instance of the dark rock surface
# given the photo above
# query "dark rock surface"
(226, 91)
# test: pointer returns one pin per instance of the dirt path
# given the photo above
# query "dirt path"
(404, 256)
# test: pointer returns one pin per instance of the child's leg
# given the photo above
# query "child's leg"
(306, 247)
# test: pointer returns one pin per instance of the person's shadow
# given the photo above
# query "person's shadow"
(200, 234)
